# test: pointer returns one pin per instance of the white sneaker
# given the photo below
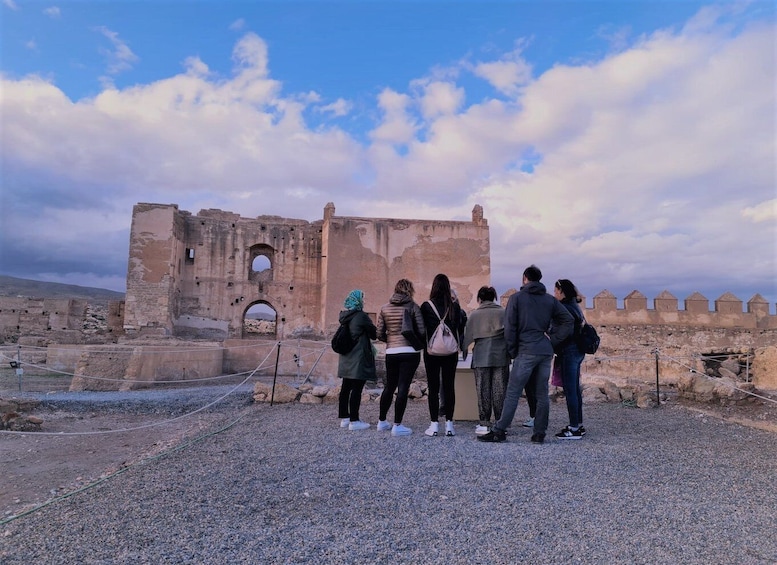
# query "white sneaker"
(353, 426)
(400, 430)
(481, 430)
(529, 423)
(449, 431)
(344, 422)
(383, 425)
(433, 429)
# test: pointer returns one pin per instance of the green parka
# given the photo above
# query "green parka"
(359, 363)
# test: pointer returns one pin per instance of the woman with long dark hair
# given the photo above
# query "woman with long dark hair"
(441, 307)
(569, 358)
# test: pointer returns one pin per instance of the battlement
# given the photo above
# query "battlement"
(728, 312)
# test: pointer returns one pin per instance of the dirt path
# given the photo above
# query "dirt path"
(37, 467)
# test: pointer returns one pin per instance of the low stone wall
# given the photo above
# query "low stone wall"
(122, 367)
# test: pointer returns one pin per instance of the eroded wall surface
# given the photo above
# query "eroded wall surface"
(196, 276)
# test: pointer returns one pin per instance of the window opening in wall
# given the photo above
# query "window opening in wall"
(261, 263)
(189, 255)
(259, 321)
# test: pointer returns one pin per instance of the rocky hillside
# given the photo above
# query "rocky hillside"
(100, 297)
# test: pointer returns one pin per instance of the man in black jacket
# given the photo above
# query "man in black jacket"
(534, 323)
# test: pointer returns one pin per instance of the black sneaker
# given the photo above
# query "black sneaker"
(581, 429)
(493, 436)
(538, 438)
(567, 433)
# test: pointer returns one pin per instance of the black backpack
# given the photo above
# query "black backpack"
(342, 342)
(588, 340)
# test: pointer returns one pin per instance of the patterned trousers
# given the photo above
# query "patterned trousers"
(491, 383)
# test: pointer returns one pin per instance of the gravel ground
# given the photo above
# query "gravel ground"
(285, 484)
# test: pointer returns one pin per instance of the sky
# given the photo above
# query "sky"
(625, 145)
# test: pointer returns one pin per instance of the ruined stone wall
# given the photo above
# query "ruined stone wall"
(373, 254)
(194, 276)
(58, 319)
(129, 367)
(153, 253)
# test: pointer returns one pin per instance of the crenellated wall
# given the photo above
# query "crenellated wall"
(728, 311)
(632, 334)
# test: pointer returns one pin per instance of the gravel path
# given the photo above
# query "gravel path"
(284, 484)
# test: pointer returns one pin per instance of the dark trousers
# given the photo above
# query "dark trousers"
(400, 368)
(531, 396)
(350, 399)
(441, 368)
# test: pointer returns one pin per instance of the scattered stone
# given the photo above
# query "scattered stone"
(308, 398)
(283, 393)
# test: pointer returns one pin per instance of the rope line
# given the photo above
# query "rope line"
(145, 426)
(130, 348)
(119, 472)
(692, 370)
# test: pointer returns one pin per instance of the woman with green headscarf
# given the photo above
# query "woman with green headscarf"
(357, 366)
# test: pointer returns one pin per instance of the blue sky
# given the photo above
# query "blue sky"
(625, 145)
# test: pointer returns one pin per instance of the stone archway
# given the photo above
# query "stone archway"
(260, 321)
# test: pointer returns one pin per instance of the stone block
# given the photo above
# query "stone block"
(308, 398)
(283, 393)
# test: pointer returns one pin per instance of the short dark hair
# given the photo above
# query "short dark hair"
(533, 273)
(487, 293)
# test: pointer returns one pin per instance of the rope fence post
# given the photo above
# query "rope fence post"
(658, 388)
(19, 370)
(275, 374)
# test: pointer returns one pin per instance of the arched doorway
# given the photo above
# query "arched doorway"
(259, 321)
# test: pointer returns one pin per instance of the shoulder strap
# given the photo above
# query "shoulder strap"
(435, 310)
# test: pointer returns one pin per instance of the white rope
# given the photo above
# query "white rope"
(151, 425)
(44, 368)
(129, 348)
(692, 370)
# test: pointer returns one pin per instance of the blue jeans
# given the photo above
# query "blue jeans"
(569, 360)
(535, 368)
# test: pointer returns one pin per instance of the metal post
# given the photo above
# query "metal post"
(299, 357)
(275, 375)
(19, 370)
(658, 389)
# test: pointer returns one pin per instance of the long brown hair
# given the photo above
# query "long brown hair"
(441, 292)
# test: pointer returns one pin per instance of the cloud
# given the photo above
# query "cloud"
(31, 44)
(11, 5)
(52, 12)
(397, 126)
(507, 74)
(339, 108)
(764, 212)
(237, 25)
(651, 168)
(120, 57)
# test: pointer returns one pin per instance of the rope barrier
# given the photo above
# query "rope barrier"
(725, 383)
(315, 352)
(145, 426)
(119, 472)
(120, 348)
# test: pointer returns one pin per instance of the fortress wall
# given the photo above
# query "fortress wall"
(373, 254)
(59, 319)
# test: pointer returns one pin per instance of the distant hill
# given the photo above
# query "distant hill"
(11, 286)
